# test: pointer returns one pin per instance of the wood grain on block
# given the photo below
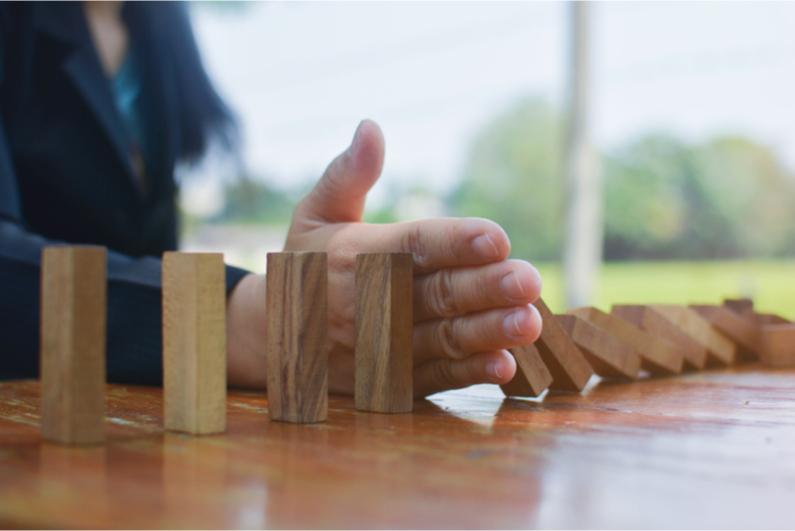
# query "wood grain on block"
(532, 376)
(741, 306)
(297, 323)
(658, 356)
(695, 354)
(568, 366)
(608, 356)
(778, 345)
(73, 316)
(194, 342)
(739, 329)
(721, 350)
(384, 324)
(762, 319)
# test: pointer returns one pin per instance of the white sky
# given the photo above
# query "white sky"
(302, 75)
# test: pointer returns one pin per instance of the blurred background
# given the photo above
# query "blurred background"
(682, 112)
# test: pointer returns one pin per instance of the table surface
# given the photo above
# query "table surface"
(703, 450)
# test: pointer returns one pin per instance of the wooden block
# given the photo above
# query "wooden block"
(532, 376)
(778, 345)
(762, 319)
(194, 342)
(740, 306)
(384, 323)
(658, 356)
(568, 366)
(73, 316)
(695, 354)
(608, 356)
(731, 324)
(297, 349)
(720, 349)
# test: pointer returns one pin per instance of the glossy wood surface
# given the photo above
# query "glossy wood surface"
(701, 450)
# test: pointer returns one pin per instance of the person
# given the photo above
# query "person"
(98, 103)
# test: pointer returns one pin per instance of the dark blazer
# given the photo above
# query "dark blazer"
(66, 174)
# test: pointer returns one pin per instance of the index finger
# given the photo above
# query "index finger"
(440, 242)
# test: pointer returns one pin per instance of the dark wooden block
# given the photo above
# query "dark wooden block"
(778, 345)
(297, 321)
(740, 329)
(73, 316)
(608, 356)
(721, 350)
(568, 366)
(532, 376)
(384, 324)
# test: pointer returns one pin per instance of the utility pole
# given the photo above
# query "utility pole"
(582, 256)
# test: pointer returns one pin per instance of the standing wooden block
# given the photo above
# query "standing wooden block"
(739, 329)
(384, 324)
(569, 368)
(297, 350)
(658, 356)
(608, 356)
(720, 349)
(73, 316)
(194, 342)
(695, 354)
(778, 345)
(740, 306)
(532, 376)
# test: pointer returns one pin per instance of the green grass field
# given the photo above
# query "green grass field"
(771, 284)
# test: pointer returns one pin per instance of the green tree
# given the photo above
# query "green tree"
(252, 201)
(513, 176)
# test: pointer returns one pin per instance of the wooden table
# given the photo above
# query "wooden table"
(709, 449)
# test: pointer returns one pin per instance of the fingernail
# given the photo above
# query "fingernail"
(355, 142)
(493, 370)
(517, 323)
(485, 247)
(511, 287)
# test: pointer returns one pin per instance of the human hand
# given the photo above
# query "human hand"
(470, 303)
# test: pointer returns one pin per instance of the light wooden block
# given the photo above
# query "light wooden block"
(73, 331)
(568, 366)
(297, 323)
(695, 354)
(608, 356)
(384, 324)
(741, 330)
(532, 376)
(658, 356)
(721, 350)
(194, 342)
(778, 345)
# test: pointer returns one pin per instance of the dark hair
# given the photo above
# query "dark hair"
(203, 114)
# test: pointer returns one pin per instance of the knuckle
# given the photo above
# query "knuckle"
(447, 341)
(414, 242)
(443, 301)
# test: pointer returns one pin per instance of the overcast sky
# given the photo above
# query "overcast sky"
(302, 75)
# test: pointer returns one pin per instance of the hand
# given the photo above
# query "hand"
(470, 303)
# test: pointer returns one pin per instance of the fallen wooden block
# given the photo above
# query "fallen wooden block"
(778, 345)
(73, 316)
(739, 329)
(658, 356)
(297, 322)
(608, 356)
(762, 319)
(384, 324)
(695, 355)
(532, 376)
(568, 366)
(721, 350)
(194, 342)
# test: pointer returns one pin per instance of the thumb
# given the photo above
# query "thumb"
(340, 194)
